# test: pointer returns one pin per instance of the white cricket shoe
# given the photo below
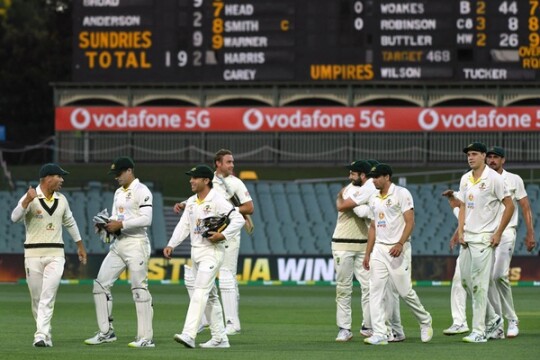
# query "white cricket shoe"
(216, 344)
(141, 343)
(230, 329)
(40, 341)
(365, 331)
(513, 329)
(492, 327)
(394, 336)
(344, 335)
(376, 340)
(456, 329)
(101, 338)
(475, 337)
(185, 339)
(498, 334)
(426, 332)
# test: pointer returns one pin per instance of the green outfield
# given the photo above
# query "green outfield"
(279, 322)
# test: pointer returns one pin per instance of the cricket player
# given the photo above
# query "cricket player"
(388, 253)
(500, 293)
(44, 211)
(131, 216)
(233, 189)
(207, 254)
(348, 248)
(458, 295)
(484, 197)
(349, 243)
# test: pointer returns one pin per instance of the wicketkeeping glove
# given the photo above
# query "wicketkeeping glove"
(100, 220)
(215, 223)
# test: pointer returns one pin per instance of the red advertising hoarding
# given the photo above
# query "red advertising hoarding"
(297, 119)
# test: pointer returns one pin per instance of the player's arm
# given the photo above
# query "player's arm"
(246, 208)
(370, 244)
(461, 224)
(397, 249)
(18, 213)
(527, 217)
(506, 216)
(179, 207)
(344, 204)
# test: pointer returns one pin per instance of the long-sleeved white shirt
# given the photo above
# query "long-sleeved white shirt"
(133, 206)
(43, 220)
(214, 204)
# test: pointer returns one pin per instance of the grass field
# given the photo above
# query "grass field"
(279, 322)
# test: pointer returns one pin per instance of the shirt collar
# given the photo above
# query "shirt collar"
(132, 185)
(390, 191)
(41, 195)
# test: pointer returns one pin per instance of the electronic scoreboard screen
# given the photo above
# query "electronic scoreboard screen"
(306, 41)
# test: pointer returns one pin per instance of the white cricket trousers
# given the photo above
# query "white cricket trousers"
(348, 264)
(384, 268)
(476, 262)
(500, 290)
(43, 275)
(206, 262)
(133, 254)
(458, 296)
(228, 284)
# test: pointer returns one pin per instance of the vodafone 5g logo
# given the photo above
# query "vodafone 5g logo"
(428, 119)
(253, 119)
(80, 119)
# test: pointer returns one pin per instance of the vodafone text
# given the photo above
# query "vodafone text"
(82, 118)
(256, 119)
(430, 119)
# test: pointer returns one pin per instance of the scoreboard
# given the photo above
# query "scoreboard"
(306, 41)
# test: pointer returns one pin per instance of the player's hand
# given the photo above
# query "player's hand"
(215, 236)
(167, 252)
(448, 193)
(495, 240)
(366, 262)
(396, 250)
(31, 194)
(113, 226)
(529, 242)
(83, 257)
(179, 207)
(461, 239)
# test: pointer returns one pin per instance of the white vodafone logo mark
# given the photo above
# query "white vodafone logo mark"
(253, 119)
(428, 119)
(80, 119)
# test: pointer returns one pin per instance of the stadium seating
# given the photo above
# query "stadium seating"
(290, 218)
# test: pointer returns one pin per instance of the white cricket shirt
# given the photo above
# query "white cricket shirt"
(388, 212)
(482, 199)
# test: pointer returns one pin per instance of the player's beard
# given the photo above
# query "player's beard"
(357, 182)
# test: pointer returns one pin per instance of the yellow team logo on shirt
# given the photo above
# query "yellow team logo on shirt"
(381, 215)
(49, 227)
